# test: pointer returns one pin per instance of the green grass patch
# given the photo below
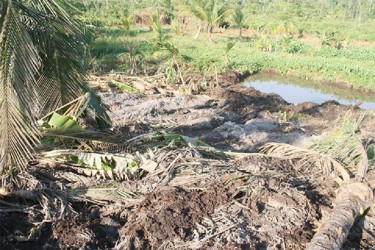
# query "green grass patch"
(354, 66)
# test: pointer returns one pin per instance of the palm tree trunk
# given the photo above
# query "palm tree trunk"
(240, 32)
(199, 31)
(351, 199)
(209, 30)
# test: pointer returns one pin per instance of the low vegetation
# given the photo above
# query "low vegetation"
(285, 55)
(283, 42)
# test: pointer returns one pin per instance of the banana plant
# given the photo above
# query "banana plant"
(106, 165)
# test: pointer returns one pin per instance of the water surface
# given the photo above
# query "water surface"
(297, 91)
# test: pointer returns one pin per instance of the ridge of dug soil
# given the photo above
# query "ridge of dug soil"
(196, 200)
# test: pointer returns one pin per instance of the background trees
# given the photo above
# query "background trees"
(268, 16)
(209, 13)
(239, 19)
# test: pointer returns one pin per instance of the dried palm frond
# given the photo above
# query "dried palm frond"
(345, 145)
(304, 156)
(84, 135)
(165, 138)
(339, 152)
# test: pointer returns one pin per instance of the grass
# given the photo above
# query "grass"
(353, 65)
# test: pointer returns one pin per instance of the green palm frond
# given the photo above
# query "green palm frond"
(41, 58)
(229, 46)
(60, 45)
(156, 23)
(198, 9)
(19, 61)
(104, 165)
(220, 14)
(239, 17)
(210, 9)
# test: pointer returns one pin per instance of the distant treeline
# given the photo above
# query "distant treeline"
(358, 10)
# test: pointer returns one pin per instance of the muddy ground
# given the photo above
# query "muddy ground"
(194, 200)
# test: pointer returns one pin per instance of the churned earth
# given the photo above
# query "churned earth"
(195, 199)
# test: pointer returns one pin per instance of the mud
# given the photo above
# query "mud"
(196, 201)
(171, 213)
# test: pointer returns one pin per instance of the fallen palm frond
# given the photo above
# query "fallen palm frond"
(339, 152)
(164, 138)
(173, 140)
(60, 128)
(126, 87)
(107, 165)
(308, 157)
(345, 146)
(104, 195)
(73, 109)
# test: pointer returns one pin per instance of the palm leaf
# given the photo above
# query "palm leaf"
(102, 164)
(238, 17)
(19, 61)
(341, 151)
(229, 46)
(61, 48)
(41, 68)
(324, 162)
(198, 9)
(345, 145)
(221, 13)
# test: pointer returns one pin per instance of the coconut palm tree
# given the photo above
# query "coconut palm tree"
(239, 19)
(207, 12)
(41, 68)
(342, 154)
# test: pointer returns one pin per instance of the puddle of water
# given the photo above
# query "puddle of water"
(298, 91)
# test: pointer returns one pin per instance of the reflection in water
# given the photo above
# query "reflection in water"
(294, 92)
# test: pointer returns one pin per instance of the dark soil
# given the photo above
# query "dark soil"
(192, 200)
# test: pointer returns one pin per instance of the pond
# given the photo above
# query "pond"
(294, 90)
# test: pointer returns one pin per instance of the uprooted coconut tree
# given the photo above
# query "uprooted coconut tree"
(342, 155)
(41, 50)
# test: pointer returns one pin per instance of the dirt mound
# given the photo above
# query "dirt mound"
(259, 211)
(170, 214)
(231, 77)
